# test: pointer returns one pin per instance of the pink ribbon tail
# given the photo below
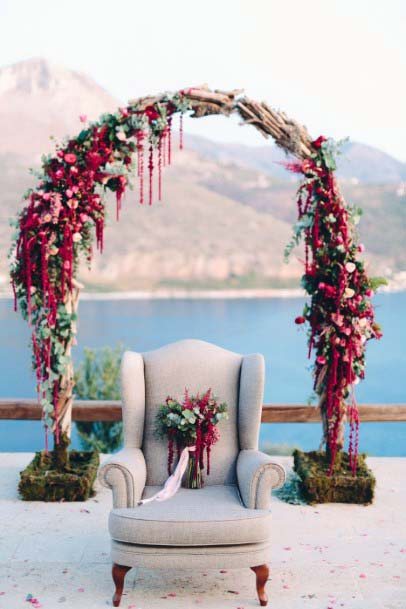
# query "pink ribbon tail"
(173, 483)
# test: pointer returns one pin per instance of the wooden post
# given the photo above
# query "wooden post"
(63, 416)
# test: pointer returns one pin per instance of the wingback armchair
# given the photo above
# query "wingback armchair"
(226, 524)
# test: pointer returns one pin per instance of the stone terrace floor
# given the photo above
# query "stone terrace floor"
(324, 557)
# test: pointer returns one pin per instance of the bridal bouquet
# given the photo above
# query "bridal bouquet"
(191, 423)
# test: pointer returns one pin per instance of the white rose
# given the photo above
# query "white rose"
(348, 293)
(350, 266)
(76, 237)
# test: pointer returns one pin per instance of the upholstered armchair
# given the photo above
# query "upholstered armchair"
(226, 524)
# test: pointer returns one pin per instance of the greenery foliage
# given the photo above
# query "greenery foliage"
(97, 378)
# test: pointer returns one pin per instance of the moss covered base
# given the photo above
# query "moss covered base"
(39, 481)
(342, 487)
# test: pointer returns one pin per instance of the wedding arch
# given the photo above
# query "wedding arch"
(66, 209)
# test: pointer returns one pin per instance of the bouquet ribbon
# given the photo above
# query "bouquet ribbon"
(173, 483)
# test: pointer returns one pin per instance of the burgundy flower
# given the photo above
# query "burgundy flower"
(151, 113)
(317, 143)
(94, 160)
(300, 320)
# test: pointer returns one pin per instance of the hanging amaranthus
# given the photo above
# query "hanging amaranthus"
(340, 312)
(56, 226)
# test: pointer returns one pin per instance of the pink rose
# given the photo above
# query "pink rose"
(321, 360)
(70, 158)
(361, 247)
(82, 118)
(337, 319)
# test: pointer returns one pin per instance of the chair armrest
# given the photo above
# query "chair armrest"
(125, 473)
(257, 475)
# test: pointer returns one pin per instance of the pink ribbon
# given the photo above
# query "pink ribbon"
(173, 483)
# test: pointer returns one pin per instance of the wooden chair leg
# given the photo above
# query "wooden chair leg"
(262, 573)
(118, 573)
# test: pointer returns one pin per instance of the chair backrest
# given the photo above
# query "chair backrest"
(148, 378)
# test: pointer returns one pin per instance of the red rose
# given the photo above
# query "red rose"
(317, 143)
(300, 320)
(94, 160)
(321, 360)
(151, 113)
(311, 272)
(70, 158)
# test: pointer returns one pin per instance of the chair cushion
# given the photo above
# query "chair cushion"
(211, 516)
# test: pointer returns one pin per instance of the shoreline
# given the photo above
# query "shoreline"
(178, 294)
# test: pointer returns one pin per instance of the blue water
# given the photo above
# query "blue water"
(246, 326)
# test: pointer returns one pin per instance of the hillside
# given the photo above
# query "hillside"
(358, 162)
(38, 100)
(227, 208)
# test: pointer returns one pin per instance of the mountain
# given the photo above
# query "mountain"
(39, 100)
(227, 208)
(358, 163)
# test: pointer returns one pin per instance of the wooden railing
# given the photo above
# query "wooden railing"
(84, 410)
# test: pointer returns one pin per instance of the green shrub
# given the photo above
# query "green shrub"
(98, 378)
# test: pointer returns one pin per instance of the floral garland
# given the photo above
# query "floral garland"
(56, 225)
(340, 314)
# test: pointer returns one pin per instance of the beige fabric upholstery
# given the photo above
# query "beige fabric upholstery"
(190, 557)
(257, 475)
(125, 473)
(133, 394)
(211, 516)
(196, 365)
(251, 397)
(225, 524)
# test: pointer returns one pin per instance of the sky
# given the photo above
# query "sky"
(337, 66)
